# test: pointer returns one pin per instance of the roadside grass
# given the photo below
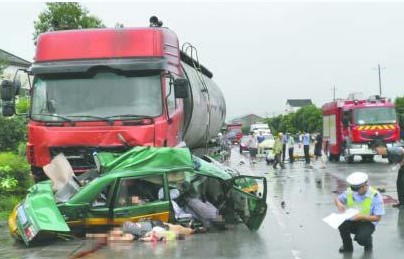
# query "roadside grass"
(7, 204)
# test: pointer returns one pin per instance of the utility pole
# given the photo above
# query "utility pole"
(380, 78)
(333, 90)
(380, 81)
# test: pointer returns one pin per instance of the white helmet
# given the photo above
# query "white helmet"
(357, 178)
(219, 134)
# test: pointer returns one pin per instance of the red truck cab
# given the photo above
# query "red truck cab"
(115, 88)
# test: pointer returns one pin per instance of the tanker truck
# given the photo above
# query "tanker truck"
(112, 89)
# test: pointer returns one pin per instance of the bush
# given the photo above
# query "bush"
(14, 174)
(23, 104)
(12, 132)
(7, 204)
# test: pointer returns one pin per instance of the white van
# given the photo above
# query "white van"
(260, 127)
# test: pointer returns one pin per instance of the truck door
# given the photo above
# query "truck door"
(174, 114)
(249, 196)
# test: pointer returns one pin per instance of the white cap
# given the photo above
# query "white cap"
(357, 178)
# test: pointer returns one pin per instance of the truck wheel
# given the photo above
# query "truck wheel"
(348, 158)
(333, 157)
(367, 159)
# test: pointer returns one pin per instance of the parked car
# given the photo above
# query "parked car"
(244, 144)
(126, 186)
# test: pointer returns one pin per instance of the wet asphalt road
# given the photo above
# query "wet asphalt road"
(294, 231)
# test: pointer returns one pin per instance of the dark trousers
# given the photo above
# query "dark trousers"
(291, 158)
(278, 160)
(283, 152)
(362, 230)
(306, 153)
(400, 185)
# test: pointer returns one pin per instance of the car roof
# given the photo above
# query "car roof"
(143, 160)
(146, 158)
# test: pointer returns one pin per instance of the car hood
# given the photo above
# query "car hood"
(269, 143)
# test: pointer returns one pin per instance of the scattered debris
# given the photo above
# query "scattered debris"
(283, 204)
(381, 189)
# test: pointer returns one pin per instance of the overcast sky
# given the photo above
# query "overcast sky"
(262, 54)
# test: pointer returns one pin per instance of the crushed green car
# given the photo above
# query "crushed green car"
(132, 186)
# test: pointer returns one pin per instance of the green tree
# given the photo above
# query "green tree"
(399, 103)
(64, 16)
(309, 119)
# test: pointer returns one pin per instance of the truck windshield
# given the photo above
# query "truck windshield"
(376, 115)
(105, 95)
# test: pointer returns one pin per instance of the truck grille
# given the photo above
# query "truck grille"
(81, 158)
(373, 137)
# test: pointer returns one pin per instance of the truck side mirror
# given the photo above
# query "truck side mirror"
(17, 87)
(7, 91)
(181, 88)
(8, 108)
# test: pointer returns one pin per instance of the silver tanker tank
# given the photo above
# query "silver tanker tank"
(204, 110)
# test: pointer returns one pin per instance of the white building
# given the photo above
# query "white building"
(13, 64)
(293, 105)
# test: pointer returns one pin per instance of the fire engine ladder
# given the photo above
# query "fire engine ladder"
(192, 52)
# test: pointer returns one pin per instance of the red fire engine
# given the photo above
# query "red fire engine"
(352, 126)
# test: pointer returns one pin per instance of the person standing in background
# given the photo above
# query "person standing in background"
(291, 147)
(325, 152)
(284, 142)
(306, 147)
(253, 148)
(396, 156)
(278, 151)
(318, 146)
(260, 139)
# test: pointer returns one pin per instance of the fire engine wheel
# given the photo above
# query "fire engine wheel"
(333, 157)
(348, 157)
(367, 159)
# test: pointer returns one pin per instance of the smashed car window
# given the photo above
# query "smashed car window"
(103, 197)
(139, 191)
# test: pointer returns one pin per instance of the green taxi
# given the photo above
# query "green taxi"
(132, 186)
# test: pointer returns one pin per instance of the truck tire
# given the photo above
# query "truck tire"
(367, 158)
(333, 157)
(348, 157)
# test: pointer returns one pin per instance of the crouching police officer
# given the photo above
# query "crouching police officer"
(370, 205)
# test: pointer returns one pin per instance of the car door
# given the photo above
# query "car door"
(137, 198)
(248, 193)
(99, 210)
